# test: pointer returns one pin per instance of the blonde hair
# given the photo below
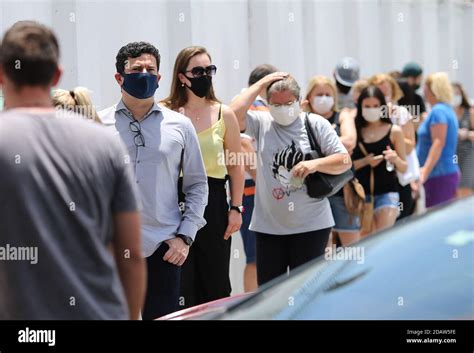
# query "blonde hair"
(320, 80)
(78, 100)
(439, 84)
(378, 79)
(359, 85)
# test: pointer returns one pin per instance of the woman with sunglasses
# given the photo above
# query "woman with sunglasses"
(205, 274)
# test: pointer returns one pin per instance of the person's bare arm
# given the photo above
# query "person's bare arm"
(348, 129)
(249, 152)
(409, 136)
(370, 159)
(361, 162)
(241, 103)
(398, 155)
(131, 266)
(334, 164)
(236, 171)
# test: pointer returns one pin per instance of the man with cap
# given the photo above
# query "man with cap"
(346, 73)
(413, 74)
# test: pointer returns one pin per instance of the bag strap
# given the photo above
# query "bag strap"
(181, 160)
(312, 139)
(362, 148)
(372, 178)
(220, 112)
(372, 184)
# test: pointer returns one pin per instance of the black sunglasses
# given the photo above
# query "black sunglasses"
(138, 139)
(199, 71)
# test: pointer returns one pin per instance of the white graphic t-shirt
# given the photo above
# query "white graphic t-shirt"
(282, 205)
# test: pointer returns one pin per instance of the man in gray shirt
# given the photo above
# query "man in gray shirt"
(161, 144)
(67, 200)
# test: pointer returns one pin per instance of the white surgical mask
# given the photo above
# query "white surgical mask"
(285, 114)
(371, 114)
(457, 100)
(322, 104)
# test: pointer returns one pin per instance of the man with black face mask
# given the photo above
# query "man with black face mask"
(162, 144)
(413, 74)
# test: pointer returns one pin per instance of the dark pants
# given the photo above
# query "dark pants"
(205, 274)
(248, 236)
(163, 285)
(275, 253)
(407, 201)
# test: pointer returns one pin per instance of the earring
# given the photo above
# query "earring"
(182, 84)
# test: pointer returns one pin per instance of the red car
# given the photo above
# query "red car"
(212, 308)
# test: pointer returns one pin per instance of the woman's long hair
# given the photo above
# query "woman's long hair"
(370, 91)
(178, 96)
(464, 100)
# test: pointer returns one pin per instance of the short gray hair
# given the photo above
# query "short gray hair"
(287, 84)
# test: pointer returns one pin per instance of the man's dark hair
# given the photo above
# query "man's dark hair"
(260, 72)
(408, 98)
(134, 50)
(29, 54)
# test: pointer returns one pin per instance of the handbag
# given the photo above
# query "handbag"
(367, 219)
(320, 185)
(354, 198)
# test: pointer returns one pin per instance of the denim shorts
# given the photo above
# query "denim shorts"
(344, 221)
(389, 199)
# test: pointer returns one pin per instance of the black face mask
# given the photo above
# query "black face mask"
(343, 89)
(200, 86)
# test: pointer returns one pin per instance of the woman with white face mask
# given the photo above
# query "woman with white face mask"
(401, 116)
(321, 99)
(465, 150)
(291, 227)
(379, 153)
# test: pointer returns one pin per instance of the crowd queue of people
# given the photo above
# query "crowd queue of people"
(132, 208)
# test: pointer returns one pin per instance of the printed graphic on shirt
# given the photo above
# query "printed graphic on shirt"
(283, 162)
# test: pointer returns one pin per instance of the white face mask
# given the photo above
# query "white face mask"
(457, 100)
(371, 114)
(322, 104)
(285, 114)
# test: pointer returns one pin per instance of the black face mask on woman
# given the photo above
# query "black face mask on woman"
(200, 86)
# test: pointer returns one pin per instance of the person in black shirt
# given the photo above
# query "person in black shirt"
(380, 150)
(413, 74)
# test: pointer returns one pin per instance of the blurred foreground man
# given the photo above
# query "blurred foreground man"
(66, 198)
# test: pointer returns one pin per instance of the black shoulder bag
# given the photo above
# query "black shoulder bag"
(320, 185)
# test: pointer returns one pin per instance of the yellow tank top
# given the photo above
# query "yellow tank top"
(211, 141)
